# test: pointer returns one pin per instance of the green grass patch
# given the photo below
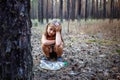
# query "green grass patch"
(118, 51)
(107, 42)
(92, 40)
(101, 42)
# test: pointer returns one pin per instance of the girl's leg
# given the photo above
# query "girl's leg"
(46, 50)
(59, 50)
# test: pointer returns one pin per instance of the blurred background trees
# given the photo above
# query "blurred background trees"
(74, 9)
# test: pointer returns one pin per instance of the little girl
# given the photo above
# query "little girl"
(52, 42)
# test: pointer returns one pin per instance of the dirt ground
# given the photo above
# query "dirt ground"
(89, 58)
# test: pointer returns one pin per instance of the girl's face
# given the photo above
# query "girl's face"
(51, 31)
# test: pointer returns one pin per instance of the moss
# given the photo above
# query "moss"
(91, 40)
(118, 50)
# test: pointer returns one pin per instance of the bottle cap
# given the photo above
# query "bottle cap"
(65, 63)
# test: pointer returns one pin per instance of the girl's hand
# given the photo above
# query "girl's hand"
(58, 28)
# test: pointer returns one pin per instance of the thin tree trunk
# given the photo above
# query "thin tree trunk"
(118, 9)
(86, 10)
(32, 14)
(97, 13)
(73, 10)
(15, 46)
(40, 11)
(93, 9)
(47, 12)
(68, 9)
(111, 9)
(100, 9)
(79, 9)
(104, 8)
(61, 10)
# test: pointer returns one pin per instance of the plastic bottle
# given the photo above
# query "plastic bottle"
(52, 65)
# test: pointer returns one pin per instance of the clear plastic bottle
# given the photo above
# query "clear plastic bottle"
(52, 65)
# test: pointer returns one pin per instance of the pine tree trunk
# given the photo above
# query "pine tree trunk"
(93, 9)
(86, 10)
(40, 11)
(79, 9)
(73, 10)
(118, 9)
(61, 10)
(104, 8)
(97, 13)
(15, 46)
(111, 9)
(47, 12)
(68, 9)
(68, 14)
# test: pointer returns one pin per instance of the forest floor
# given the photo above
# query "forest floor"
(89, 57)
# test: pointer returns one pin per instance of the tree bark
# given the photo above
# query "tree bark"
(118, 9)
(15, 46)
(86, 10)
(73, 10)
(111, 9)
(68, 9)
(79, 9)
(61, 10)
(40, 11)
(47, 12)
(104, 8)
(93, 9)
(96, 12)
